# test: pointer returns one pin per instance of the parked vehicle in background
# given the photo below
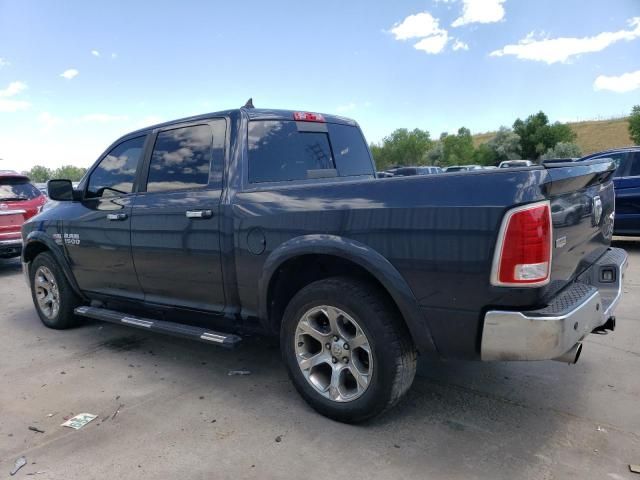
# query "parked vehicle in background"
(272, 221)
(461, 168)
(42, 187)
(626, 180)
(19, 201)
(384, 174)
(410, 171)
(515, 163)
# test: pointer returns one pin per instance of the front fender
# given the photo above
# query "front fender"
(38, 238)
(367, 258)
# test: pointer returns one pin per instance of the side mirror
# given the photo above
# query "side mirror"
(60, 190)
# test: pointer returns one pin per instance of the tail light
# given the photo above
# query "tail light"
(523, 252)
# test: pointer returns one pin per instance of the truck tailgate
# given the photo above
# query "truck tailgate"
(582, 210)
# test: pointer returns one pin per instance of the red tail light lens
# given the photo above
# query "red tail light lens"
(523, 252)
(308, 117)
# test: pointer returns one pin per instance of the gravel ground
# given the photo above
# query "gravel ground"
(181, 415)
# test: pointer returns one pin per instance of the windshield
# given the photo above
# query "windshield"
(17, 189)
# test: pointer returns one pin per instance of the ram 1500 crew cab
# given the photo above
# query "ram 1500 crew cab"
(272, 221)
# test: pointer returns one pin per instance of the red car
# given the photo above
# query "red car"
(19, 201)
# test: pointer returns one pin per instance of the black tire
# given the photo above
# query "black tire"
(68, 300)
(393, 353)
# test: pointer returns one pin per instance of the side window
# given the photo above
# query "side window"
(634, 159)
(116, 172)
(622, 163)
(181, 158)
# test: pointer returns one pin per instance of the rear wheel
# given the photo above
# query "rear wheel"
(347, 350)
(52, 294)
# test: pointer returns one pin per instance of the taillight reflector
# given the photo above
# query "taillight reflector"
(523, 252)
(308, 117)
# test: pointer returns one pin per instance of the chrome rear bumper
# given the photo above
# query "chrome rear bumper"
(552, 331)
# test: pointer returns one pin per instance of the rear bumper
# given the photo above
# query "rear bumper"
(12, 246)
(550, 332)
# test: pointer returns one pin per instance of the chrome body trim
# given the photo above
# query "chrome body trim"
(513, 335)
(212, 337)
(136, 321)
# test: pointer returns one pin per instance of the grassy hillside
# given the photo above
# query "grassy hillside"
(593, 135)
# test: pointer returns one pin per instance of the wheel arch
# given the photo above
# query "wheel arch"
(311, 250)
(38, 242)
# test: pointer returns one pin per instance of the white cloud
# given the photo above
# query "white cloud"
(460, 45)
(621, 84)
(480, 11)
(4, 62)
(422, 25)
(346, 107)
(114, 55)
(95, 53)
(9, 104)
(553, 50)
(103, 118)
(434, 43)
(418, 25)
(13, 89)
(70, 73)
(49, 121)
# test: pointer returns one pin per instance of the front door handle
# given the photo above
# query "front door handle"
(117, 216)
(199, 213)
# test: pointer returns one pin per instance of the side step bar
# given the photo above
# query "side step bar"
(177, 329)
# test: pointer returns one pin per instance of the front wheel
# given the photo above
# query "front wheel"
(347, 350)
(52, 294)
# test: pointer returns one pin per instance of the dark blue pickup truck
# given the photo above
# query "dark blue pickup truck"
(626, 180)
(271, 221)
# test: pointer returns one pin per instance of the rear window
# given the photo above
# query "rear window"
(17, 189)
(283, 150)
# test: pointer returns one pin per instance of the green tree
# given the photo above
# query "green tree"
(458, 149)
(435, 155)
(484, 155)
(39, 174)
(505, 145)
(402, 147)
(634, 124)
(69, 172)
(537, 135)
(563, 150)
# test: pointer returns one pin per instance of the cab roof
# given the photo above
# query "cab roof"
(252, 114)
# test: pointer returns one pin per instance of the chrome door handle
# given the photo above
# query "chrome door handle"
(117, 216)
(199, 213)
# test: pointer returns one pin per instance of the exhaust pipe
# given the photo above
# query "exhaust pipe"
(572, 355)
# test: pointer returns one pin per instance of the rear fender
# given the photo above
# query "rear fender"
(367, 258)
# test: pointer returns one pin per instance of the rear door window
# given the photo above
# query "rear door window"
(181, 158)
(116, 172)
(283, 150)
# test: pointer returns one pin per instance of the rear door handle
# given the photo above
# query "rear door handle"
(199, 213)
(117, 216)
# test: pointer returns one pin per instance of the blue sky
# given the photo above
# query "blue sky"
(75, 75)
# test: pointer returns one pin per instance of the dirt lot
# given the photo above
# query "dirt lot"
(181, 415)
